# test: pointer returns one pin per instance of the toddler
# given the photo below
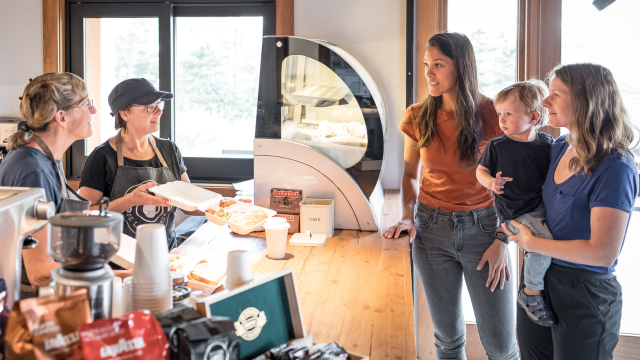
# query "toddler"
(514, 166)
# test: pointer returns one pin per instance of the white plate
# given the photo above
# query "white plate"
(184, 195)
(239, 209)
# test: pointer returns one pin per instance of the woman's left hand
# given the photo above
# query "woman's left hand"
(522, 238)
(498, 257)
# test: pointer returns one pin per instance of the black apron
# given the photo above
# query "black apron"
(128, 178)
(71, 202)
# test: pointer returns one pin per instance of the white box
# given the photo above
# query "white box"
(185, 196)
(316, 215)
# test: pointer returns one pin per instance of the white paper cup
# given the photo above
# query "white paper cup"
(152, 256)
(238, 268)
(276, 229)
(126, 295)
(116, 298)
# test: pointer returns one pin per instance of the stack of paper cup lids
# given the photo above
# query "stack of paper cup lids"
(151, 287)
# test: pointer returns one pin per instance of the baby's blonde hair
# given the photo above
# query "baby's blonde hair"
(42, 98)
(530, 93)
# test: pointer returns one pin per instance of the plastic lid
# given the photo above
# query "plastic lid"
(276, 223)
(86, 220)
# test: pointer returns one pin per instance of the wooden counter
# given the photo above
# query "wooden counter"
(355, 290)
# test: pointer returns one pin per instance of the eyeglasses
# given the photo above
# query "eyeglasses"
(89, 105)
(151, 108)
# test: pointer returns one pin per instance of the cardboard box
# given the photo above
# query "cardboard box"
(293, 220)
(266, 312)
(286, 201)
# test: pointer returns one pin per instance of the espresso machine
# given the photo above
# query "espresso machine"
(83, 243)
(23, 211)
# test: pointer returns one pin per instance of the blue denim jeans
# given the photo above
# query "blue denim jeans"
(535, 265)
(449, 245)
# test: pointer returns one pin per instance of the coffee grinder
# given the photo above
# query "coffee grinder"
(83, 243)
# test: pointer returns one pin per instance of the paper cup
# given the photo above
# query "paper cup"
(238, 269)
(276, 229)
(126, 295)
(152, 256)
(116, 298)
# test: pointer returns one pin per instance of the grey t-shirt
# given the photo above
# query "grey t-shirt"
(29, 167)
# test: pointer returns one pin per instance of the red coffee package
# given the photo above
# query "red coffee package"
(134, 336)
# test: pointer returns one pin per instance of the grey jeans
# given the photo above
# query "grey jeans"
(449, 245)
(535, 265)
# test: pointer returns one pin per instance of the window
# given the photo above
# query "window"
(493, 33)
(217, 91)
(207, 53)
(602, 37)
(119, 49)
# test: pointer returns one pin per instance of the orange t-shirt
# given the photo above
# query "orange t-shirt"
(445, 185)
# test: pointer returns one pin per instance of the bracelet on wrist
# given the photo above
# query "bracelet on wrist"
(502, 237)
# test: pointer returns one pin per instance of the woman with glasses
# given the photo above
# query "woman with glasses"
(58, 112)
(127, 165)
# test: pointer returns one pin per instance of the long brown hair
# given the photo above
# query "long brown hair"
(599, 121)
(458, 48)
(42, 98)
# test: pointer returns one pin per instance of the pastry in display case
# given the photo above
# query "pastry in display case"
(321, 123)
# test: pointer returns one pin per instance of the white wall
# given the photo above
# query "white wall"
(20, 50)
(374, 32)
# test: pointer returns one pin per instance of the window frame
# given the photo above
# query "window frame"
(225, 170)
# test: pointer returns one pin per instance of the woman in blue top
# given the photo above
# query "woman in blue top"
(589, 194)
(58, 112)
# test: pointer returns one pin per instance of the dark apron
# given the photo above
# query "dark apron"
(71, 202)
(128, 178)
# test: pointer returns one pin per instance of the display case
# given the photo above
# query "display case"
(321, 123)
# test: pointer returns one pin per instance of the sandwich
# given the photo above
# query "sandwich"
(209, 271)
(251, 219)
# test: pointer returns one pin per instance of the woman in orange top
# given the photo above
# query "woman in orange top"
(453, 224)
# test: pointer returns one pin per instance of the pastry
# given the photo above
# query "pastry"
(251, 219)
(209, 271)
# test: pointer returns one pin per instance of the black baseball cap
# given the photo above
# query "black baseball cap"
(135, 92)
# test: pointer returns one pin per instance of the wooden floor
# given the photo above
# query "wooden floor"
(356, 289)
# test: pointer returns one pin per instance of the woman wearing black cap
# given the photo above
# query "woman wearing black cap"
(125, 166)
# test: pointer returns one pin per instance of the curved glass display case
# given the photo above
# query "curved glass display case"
(315, 93)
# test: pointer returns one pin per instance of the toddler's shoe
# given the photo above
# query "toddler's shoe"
(541, 313)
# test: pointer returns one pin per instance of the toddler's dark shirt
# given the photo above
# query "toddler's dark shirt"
(527, 163)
